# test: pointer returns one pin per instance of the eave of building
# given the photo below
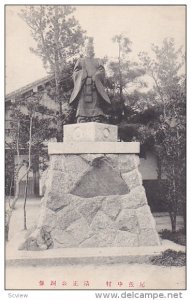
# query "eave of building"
(32, 86)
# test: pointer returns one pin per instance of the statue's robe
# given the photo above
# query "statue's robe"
(89, 92)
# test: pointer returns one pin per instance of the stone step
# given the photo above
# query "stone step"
(105, 255)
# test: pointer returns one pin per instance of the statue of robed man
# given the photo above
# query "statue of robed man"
(89, 92)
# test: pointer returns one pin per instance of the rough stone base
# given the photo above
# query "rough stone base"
(94, 200)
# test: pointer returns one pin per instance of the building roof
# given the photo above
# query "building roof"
(28, 87)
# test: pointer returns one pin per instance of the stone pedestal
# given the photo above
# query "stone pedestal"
(93, 199)
(90, 132)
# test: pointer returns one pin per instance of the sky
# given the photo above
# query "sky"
(143, 25)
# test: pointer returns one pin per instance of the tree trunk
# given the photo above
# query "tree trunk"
(28, 169)
(18, 169)
(18, 180)
(159, 169)
(174, 201)
(8, 214)
(173, 221)
(120, 74)
(59, 136)
(184, 217)
(25, 201)
(10, 190)
(174, 224)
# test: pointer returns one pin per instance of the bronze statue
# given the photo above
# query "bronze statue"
(89, 92)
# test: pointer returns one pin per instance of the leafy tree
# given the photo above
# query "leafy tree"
(124, 73)
(121, 67)
(31, 127)
(164, 70)
(169, 129)
(14, 146)
(58, 37)
(9, 175)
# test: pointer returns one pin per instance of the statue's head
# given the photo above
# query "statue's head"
(89, 50)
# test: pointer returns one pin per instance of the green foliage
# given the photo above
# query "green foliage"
(42, 130)
(9, 172)
(178, 237)
(123, 73)
(58, 38)
(164, 70)
(169, 130)
(55, 31)
(157, 118)
(170, 258)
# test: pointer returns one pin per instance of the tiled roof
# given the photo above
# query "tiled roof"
(28, 87)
